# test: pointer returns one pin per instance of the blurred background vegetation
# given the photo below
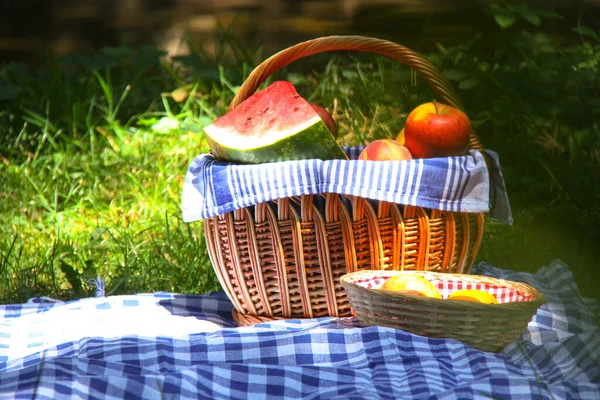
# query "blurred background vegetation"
(95, 97)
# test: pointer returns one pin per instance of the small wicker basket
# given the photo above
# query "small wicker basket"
(488, 327)
(284, 259)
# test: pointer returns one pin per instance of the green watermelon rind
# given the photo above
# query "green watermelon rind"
(313, 142)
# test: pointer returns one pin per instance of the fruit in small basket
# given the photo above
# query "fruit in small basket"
(274, 124)
(412, 292)
(385, 150)
(411, 283)
(437, 130)
(476, 295)
(327, 118)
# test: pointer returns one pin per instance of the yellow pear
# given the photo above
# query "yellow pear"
(400, 137)
(411, 282)
(475, 295)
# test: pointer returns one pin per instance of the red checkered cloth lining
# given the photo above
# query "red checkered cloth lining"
(448, 286)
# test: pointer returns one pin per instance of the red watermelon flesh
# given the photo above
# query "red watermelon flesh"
(274, 124)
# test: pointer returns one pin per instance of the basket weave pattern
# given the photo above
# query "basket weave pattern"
(285, 258)
(488, 327)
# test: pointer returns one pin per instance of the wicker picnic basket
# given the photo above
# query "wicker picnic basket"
(488, 327)
(284, 258)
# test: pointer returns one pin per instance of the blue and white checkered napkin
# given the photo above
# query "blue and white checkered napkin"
(459, 184)
(163, 346)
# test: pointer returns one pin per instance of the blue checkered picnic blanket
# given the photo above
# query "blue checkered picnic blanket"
(460, 184)
(165, 345)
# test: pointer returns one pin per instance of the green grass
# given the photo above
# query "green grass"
(84, 194)
(75, 213)
(93, 152)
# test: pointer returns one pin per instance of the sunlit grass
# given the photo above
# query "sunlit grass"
(113, 214)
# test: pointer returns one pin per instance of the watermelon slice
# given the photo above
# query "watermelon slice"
(274, 124)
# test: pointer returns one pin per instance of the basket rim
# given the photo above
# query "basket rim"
(538, 297)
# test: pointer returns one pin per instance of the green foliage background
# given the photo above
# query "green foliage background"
(93, 151)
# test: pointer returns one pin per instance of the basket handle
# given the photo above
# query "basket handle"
(430, 73)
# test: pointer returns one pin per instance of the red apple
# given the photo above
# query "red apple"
(327, 118)
(437, 130)
(385, 150)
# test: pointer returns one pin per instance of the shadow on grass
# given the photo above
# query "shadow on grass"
(536, 239)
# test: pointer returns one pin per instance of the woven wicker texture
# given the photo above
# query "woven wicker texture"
(284, 258)
(488, 327)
